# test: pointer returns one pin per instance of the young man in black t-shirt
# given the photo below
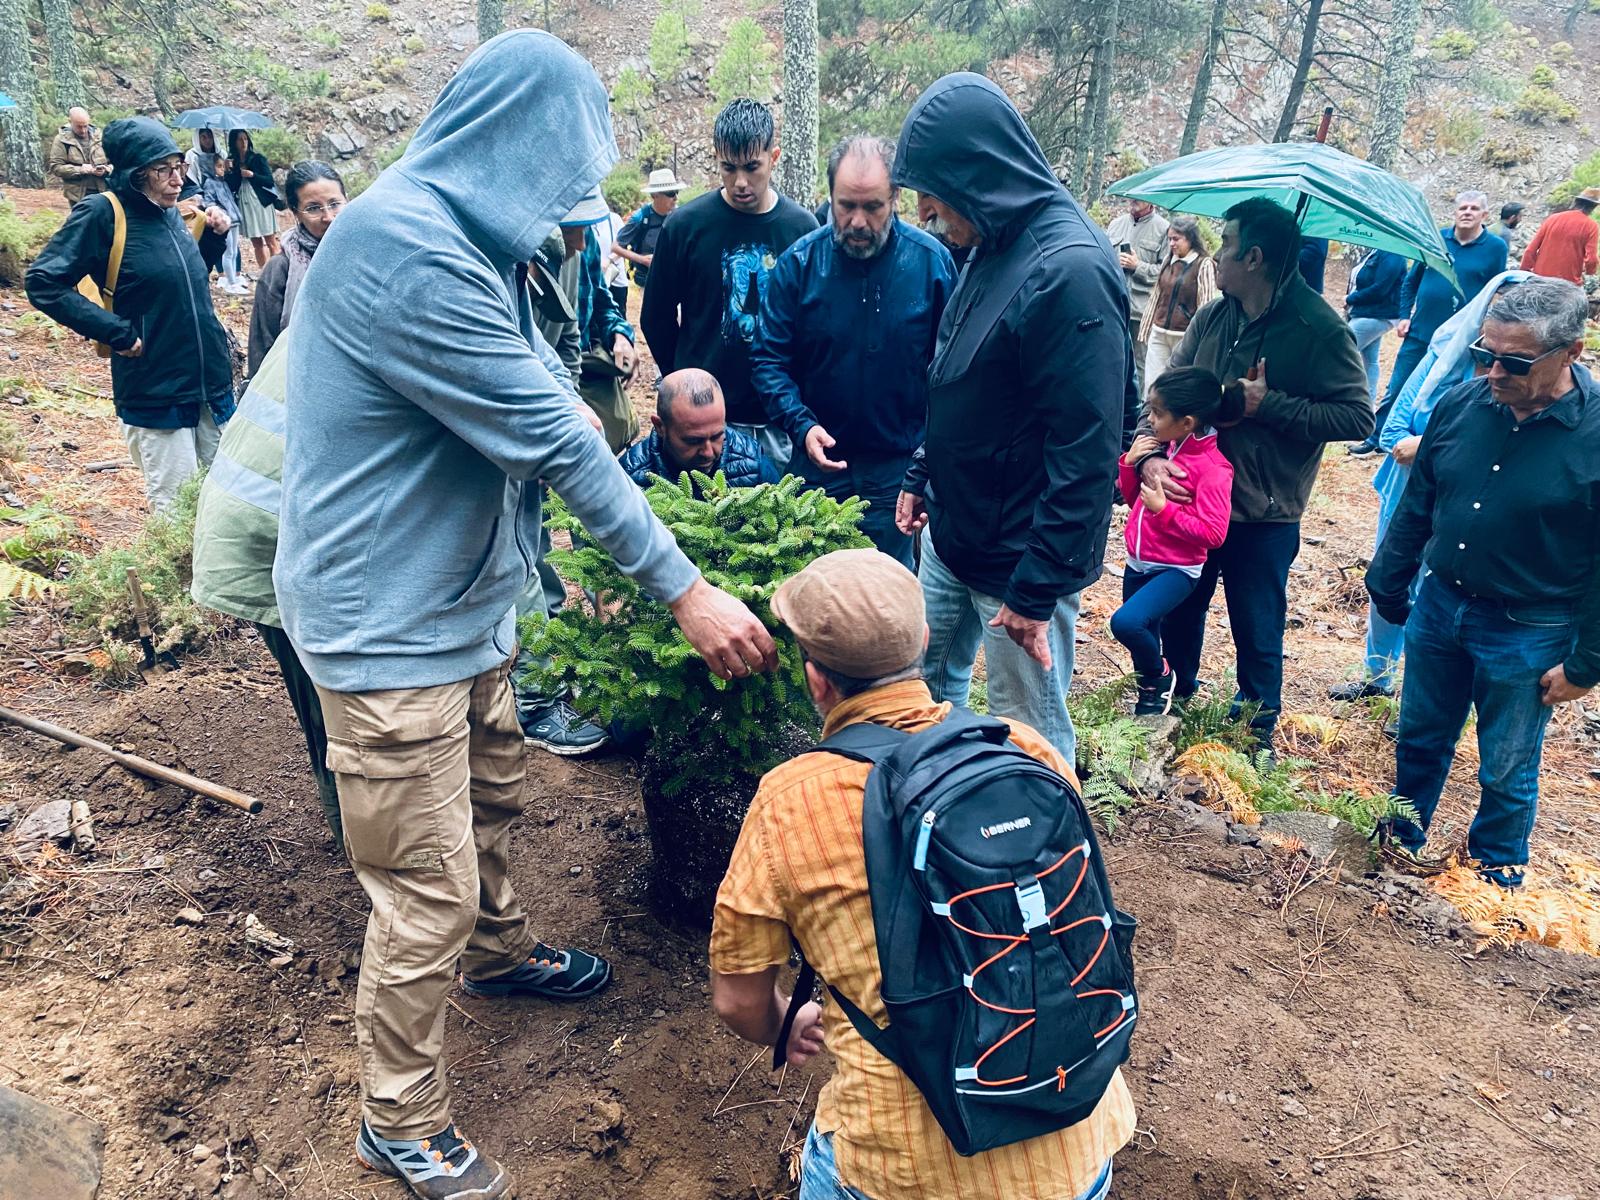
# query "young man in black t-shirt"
(709, 273)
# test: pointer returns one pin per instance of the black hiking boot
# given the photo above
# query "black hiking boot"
(1155, 693)
(559, 729)
(443, 1167)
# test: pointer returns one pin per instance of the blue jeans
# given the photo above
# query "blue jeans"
(1369, 333)
(819, 1175)
(1405, 361)
(1385, 642)
(958, 622)
(1147, 597)
(875, 480)
(1253, 565)
(1461, 652)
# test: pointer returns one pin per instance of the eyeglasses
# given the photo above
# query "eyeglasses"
(317, 210)
(1514, 364)
(167, 169)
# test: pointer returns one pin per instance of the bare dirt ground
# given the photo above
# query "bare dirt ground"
(1345, 1041)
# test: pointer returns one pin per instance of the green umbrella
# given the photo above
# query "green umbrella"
(1332, 194)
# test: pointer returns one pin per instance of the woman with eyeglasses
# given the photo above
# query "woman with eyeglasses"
(316, 195)
(1449, 360)
(171, 371)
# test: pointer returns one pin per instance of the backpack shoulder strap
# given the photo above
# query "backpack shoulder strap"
(119, 242)
(865, 742)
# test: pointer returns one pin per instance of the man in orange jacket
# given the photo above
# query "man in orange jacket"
(1566, 245)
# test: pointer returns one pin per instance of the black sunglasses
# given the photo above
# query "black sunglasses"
(1514, 364)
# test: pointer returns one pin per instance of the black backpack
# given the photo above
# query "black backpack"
(1007, 969)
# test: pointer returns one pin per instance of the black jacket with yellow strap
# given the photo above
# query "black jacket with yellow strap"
(163, 297)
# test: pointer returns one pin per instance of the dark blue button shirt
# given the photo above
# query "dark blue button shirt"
(846, 343)
(1427, 298)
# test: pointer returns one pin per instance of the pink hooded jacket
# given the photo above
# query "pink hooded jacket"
(1181, 534)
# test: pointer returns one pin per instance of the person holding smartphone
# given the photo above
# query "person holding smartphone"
(1140, 238)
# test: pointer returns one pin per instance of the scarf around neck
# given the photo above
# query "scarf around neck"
(298, 247)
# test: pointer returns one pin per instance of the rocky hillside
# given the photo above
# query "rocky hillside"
(1511, 109)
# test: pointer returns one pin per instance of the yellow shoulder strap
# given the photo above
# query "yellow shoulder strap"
(119, 241)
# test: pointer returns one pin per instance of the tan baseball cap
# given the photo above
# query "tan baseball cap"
(858, 612)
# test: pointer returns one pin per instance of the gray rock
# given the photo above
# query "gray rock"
(8, 816)
(1197, 818)
(50, 822)
(388, 111)
(335, 143)
(1290, 1107)
(1324, 836)
(47, 1152)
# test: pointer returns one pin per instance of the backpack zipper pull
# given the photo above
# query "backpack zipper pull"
(919, 859)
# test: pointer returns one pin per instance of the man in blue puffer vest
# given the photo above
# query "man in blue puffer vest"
(689, 432)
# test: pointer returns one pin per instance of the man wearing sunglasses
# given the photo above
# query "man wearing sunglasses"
(1500, 509)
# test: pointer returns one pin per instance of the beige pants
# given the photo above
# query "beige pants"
(429, 781)
(168, 458)
(1162, 343)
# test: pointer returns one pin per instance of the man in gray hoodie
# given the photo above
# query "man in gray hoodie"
(410, 517)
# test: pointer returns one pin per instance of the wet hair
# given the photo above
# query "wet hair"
(700, 389)
(233, 142)
(303, 173)
(744, 127)
(1269, 226)
(1198, 393)
(861, 145)
(1188, 228)
(1552, 309)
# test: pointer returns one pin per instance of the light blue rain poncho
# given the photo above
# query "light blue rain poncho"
(1446, 364)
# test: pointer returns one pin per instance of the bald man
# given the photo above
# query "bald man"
(689, 432)
(77, 159)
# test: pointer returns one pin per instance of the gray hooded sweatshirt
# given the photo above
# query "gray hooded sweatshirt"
(422, 406)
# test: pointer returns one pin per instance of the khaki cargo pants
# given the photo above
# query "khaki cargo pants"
(429, 781)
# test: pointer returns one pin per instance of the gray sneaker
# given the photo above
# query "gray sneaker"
(443, 1167)
(559, 729)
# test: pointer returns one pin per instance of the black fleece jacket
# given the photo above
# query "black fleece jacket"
(1033, 366)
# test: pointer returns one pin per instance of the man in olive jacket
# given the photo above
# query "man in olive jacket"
(1309, 388)
(1026, 391)
(78, 159)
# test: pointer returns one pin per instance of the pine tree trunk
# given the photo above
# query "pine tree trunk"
(1083, 133)
(1105, 65)
(492, 18)
(64, 68)
(1302, 72)
(1394, 85)
(24, 157)
(1201, 95)
(798, 166)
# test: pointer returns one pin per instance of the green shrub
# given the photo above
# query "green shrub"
(1212, 719)
(322, 35)
(623, 188)
(630, 92)
(1561, 51)
(414, 45)
(655, 151)
(669, 41)
(1454, 45)
(282, 147)
(1585, 175)
(635, 665)
(1506, 152)
(747, 65)
(97, 585)
(1536, 105)
(21, 238)
(1459, 131)
(1542, 77)
(378, 12)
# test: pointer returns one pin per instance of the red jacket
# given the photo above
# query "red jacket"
(1180, 534)
(1564, 247)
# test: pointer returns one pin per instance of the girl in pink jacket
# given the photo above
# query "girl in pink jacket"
(1167, 542)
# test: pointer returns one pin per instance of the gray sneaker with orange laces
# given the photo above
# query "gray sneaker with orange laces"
(443, 1167)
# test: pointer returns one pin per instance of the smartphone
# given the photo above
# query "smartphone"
(1126, 247)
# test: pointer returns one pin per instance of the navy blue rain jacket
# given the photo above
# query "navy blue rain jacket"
(1376, 294)
(846, 342)
(742, 461)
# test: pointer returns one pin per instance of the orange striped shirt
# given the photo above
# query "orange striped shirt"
(799, 865)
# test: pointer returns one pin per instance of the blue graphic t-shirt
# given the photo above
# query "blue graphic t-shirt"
(703, 297)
